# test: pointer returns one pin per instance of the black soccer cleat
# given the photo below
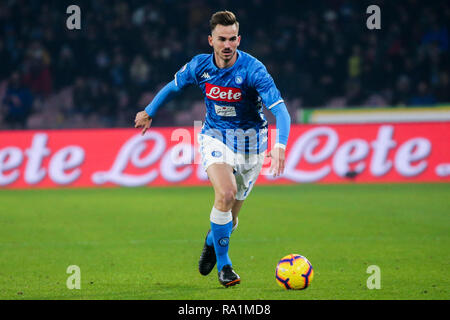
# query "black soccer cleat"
(207, 258)
(228, 277)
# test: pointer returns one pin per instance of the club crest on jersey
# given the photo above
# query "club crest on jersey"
(218, 93)
(216, 154)
(238, 80)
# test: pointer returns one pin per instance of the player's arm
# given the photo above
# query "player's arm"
(144, 118)
(184, 77)
(270, 95)
(283, 124)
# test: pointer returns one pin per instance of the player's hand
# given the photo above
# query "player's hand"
(142, 120)
(277, 164)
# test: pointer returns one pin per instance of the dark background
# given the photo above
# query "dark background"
(320, 54)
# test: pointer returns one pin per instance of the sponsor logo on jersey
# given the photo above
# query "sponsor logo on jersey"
(227, 94)
(205, 75)
(225, 111)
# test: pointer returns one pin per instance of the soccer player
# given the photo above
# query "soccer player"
(233, 140)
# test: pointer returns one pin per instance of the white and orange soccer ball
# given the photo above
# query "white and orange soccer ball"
(294, 272)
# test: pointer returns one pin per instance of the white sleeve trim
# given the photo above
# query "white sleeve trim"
(275, 103)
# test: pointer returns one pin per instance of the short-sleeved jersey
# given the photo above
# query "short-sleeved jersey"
(234, 99)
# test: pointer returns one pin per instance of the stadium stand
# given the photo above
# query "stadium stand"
(320, 54)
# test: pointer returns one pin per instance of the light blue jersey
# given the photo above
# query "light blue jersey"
(234, 99)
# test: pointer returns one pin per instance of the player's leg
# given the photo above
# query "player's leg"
(235, 192)
(218, 160)
(224, 184)
(246, 175)
(208, 256)
(235, 212)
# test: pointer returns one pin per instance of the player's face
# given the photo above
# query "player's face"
(225, 40)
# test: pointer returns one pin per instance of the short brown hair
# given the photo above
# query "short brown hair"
(224, 18)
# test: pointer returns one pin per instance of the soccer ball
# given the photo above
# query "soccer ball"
(294, 272)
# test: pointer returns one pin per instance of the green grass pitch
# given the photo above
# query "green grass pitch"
(144, 243)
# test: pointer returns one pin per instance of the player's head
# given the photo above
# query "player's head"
(224, 36)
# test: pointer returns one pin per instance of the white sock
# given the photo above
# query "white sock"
(220, 217)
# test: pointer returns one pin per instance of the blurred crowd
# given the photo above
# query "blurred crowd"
(320, 54)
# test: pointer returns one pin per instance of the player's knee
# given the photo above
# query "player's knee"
(227, 196)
